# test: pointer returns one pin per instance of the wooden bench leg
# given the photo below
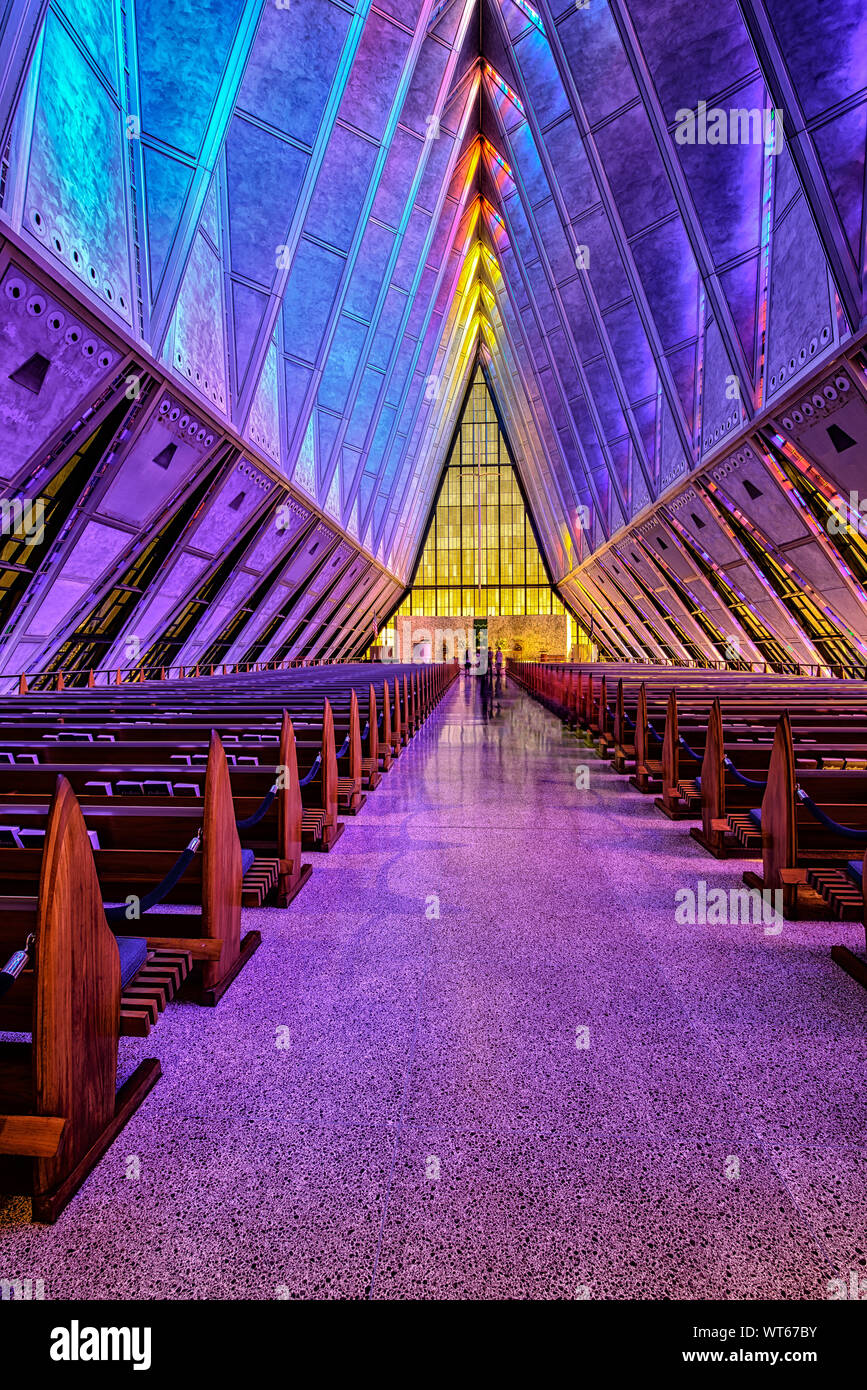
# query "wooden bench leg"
(330, 835)
(796, 896)
(288, 891)
(675, 810)
(852, 964)
(47, 1206)
(209, 995)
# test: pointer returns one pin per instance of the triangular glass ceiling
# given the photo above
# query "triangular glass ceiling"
(353, 206)
(480, 557)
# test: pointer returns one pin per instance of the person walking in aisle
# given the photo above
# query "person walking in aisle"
(487, 684)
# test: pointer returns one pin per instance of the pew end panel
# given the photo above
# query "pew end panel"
(781, 869)
(290, 812)
(856, 966)
(370, 754)
(221, 885)
(673, 803)
(778, 818)
(713, 834)
(648, 770)
(59, 1104)
(350, 797)
(397, 737)
(386, 746)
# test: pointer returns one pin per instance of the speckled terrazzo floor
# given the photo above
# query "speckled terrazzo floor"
(391, 1103)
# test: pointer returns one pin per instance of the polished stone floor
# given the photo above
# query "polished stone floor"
(479, 1058)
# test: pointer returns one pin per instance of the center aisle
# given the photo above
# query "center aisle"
(479, 1058)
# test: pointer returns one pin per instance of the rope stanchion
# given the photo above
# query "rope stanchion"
(162, 890)
(16, 964)
(260, 811)
(845, 832)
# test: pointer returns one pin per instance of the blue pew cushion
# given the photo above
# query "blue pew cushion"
(133, 951)
(855, 870)
(247, 858)
(756, 818)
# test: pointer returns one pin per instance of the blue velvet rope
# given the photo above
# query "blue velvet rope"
(313, 771)
(162, 890)
(342, 752)
(739, 776)
(690, 752)
(261, 810)
(365, 731)
(844, 831)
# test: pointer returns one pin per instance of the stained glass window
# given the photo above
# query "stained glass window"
(480, 557)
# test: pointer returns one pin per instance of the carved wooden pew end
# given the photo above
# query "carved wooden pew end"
(59, 1106)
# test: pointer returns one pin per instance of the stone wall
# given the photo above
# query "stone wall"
(526, 637)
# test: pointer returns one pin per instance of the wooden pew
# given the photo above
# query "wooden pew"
(321, 768)
(856, 966)
(370, 752)
(143, 839)
(280, 829)
(358, 764)
(819, 725)
(730, 794)
(60, 1108)
(317, 769)
(794, 840)
(172, 741)
(734, 773)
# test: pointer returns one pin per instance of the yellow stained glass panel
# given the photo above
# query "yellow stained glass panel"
(480, 551)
